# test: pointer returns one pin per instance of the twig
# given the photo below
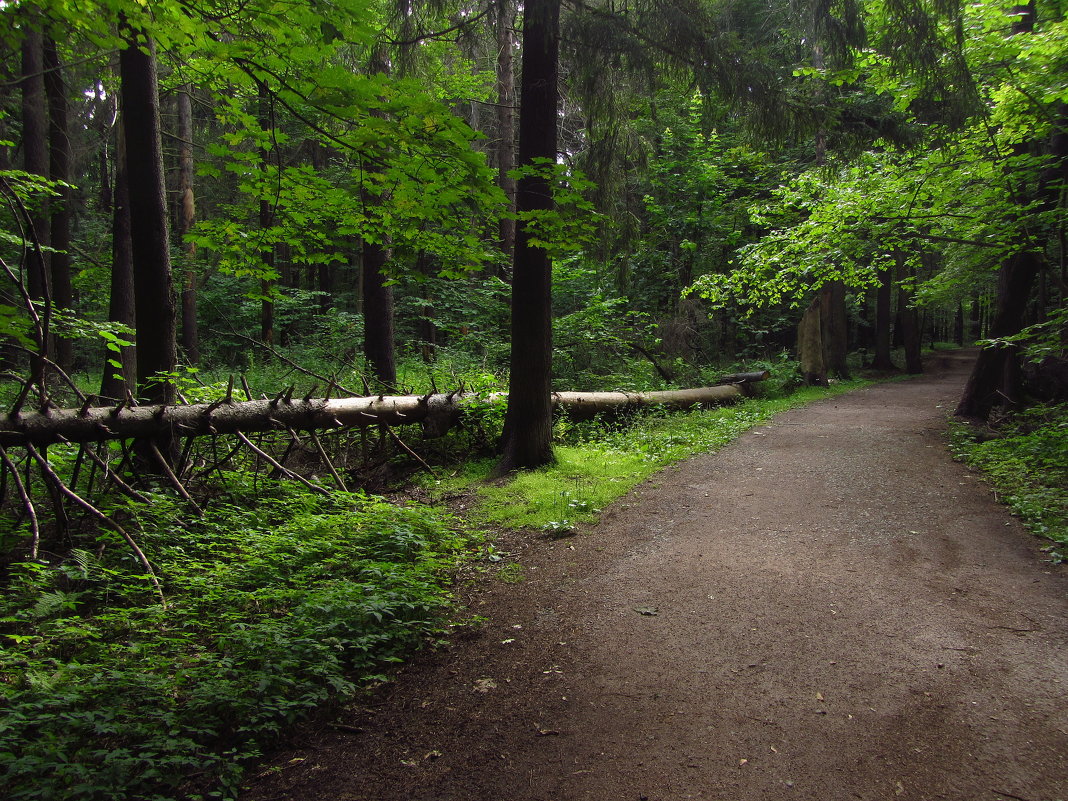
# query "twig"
(1009, 795)
(408, 450)
(173, 478)
(111, 474)
(287, 360)
(46, 468)
(27, 503)
(329, 464)
(277, 466)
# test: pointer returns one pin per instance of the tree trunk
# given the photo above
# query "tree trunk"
(504, 22)
(118, 380)
(59, 170)
(995, 377)
(266, 221)
(187, 215)
(909, 320)
(35, 160)
(154, 303)
(986, 387)
(834, 329)
(378, 348)
(882, 360)
(378, 315)
(810, 346)
(436, 413)
(527, 440)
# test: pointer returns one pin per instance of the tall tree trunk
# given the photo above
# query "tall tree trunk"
(994, 380)
(910, 322)
(504, 22)
(883, 297)
(378, 348)
(118, 380)
(59, 153)
(35, 160)
(156, 345)
(187, 215)
(834, 329)
(987, 384)
(527, 440)
(378, 315)
(266, 221)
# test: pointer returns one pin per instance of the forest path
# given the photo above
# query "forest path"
(829, 608)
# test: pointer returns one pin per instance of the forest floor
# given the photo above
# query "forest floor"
(828, 609)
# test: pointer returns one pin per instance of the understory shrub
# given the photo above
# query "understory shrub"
(278, 601)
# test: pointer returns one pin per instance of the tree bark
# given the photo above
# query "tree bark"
(436, 413)
(834, 329)
(156, 345)
(527, 439)
(59, 157)
(378, 315)
(882, 360)
(187, 215)
(994, 380)
(121, 309)
(378, 346)
(267, 285)
(504, 22)
(35, 160)
(909, 320)
(986, 387)
(811, 351)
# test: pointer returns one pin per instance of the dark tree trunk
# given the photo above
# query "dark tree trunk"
(995, 378)
(882, 360)
(908, 320)
(378, 315)
(987, 386)
(187, 216)
(527, 440)
(266, 221)
(59, 170)
(378, 347)
(835, 329)
(35, 160)
(118, 380)
(149, 239)
(958, 325)
(811, 350)
(504, 22)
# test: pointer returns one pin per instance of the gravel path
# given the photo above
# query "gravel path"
(829, 608)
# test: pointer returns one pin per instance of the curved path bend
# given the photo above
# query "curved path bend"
(828, 609)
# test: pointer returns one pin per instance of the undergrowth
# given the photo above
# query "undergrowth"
(1026, 462)
(279, 601)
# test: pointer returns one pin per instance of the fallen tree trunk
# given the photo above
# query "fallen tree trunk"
(436, 413)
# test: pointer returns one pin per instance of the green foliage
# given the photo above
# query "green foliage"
(1027, 464)
(279, 601)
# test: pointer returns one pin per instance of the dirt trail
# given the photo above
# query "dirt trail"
(828, 609)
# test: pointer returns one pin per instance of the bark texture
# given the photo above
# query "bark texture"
(149, 238)
(528, 421)
(59, 164)
(436, 413)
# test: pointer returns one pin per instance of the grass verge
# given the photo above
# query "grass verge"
(598, 461)
(1026, 462)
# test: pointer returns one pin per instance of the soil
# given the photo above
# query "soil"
(829, 608)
